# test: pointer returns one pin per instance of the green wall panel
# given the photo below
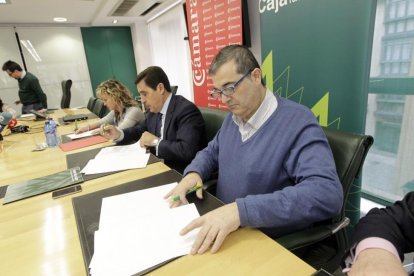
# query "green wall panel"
(110, 55)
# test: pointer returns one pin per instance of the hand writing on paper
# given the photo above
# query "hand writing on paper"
(215, 227)
(110, 132)
(187, 183)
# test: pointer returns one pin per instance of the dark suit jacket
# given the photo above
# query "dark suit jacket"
(394, 223)
(184, 133)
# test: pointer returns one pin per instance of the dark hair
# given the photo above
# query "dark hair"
(11, 66)
(241, 55)
(1, 105)
(152, 76)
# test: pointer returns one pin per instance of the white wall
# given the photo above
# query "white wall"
(62, 57)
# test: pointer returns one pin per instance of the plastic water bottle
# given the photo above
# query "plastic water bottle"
(51, 135)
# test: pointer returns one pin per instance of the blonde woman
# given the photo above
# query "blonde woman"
(124, 110)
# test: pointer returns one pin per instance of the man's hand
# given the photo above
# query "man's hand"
(147, 139)
(17, 102)
(110, 132)
(215, 227)
(375, 261)
(188, 182)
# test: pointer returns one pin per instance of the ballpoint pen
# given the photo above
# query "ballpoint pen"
(192, 190)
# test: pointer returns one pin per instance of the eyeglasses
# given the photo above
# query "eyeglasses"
(228, 90)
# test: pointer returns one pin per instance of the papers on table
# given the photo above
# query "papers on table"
(138, 230)
(118, 158)
(82, 135)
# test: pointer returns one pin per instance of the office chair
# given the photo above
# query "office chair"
(99, 108)
(324, 245)
(91, 103)
(213, 119)
(66, 94)
(174, 89)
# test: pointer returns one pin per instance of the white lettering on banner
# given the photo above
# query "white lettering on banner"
(208, 26)
(234, 35)
(206, 10)
(208, 41)
(207, 18)
(218, 46)
(218, 6)
(231, 18)
(220, 38)
(229, 10)
(209, 49)
(199, 75)
(274, 5)
(206, 2)
(209, 56)
(211, 105)
(218, 14)
(219, 22)
(231, 1)
(231, 27)
(220, 30)
(208, 33)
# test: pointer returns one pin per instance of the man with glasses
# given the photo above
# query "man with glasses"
(275, 169)
(31, 95)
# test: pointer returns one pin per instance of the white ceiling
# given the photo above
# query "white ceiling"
(78, 12)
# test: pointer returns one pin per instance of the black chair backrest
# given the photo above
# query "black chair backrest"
(66, 93)
(91, 103)
(99, 108)
(214, 119)
(174, 89)
(349, 151)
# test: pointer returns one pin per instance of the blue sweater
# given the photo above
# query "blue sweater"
(283, 178)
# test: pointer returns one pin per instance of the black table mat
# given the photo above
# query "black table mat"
(3, 190)
(87, 208)
(80, 160)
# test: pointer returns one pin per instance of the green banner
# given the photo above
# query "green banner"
(317, 53)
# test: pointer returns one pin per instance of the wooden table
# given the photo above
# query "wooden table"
(38, 235)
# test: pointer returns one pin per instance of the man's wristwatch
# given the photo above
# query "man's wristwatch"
(155, 142)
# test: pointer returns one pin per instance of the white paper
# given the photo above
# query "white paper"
(75, 136)
(138, 230)
(117, 158)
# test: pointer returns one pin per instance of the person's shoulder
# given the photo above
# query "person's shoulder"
(290, 106)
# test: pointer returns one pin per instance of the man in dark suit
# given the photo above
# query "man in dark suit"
(174, 128)
(381, 238)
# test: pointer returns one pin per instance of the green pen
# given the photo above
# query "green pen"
(192, 190)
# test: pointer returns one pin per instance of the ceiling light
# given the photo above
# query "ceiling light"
(29, 46)
(4, 2)
(60, 19)
(115, 21)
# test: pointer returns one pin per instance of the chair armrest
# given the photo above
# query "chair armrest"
(312, 235)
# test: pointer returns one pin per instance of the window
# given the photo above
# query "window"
(388, 171)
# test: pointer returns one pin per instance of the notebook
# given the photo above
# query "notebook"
(42, 185)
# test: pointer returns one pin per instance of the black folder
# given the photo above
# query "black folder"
(87, 208)
(80, 160)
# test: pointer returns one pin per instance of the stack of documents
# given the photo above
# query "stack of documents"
(118, 158)
(138, 230)
(89, 133)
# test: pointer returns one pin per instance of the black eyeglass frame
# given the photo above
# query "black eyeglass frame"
(229, 89)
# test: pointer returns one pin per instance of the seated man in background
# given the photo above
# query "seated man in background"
(276, 171)
(173, 129)
(124, 110)
(381, 238)
(31, 94)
